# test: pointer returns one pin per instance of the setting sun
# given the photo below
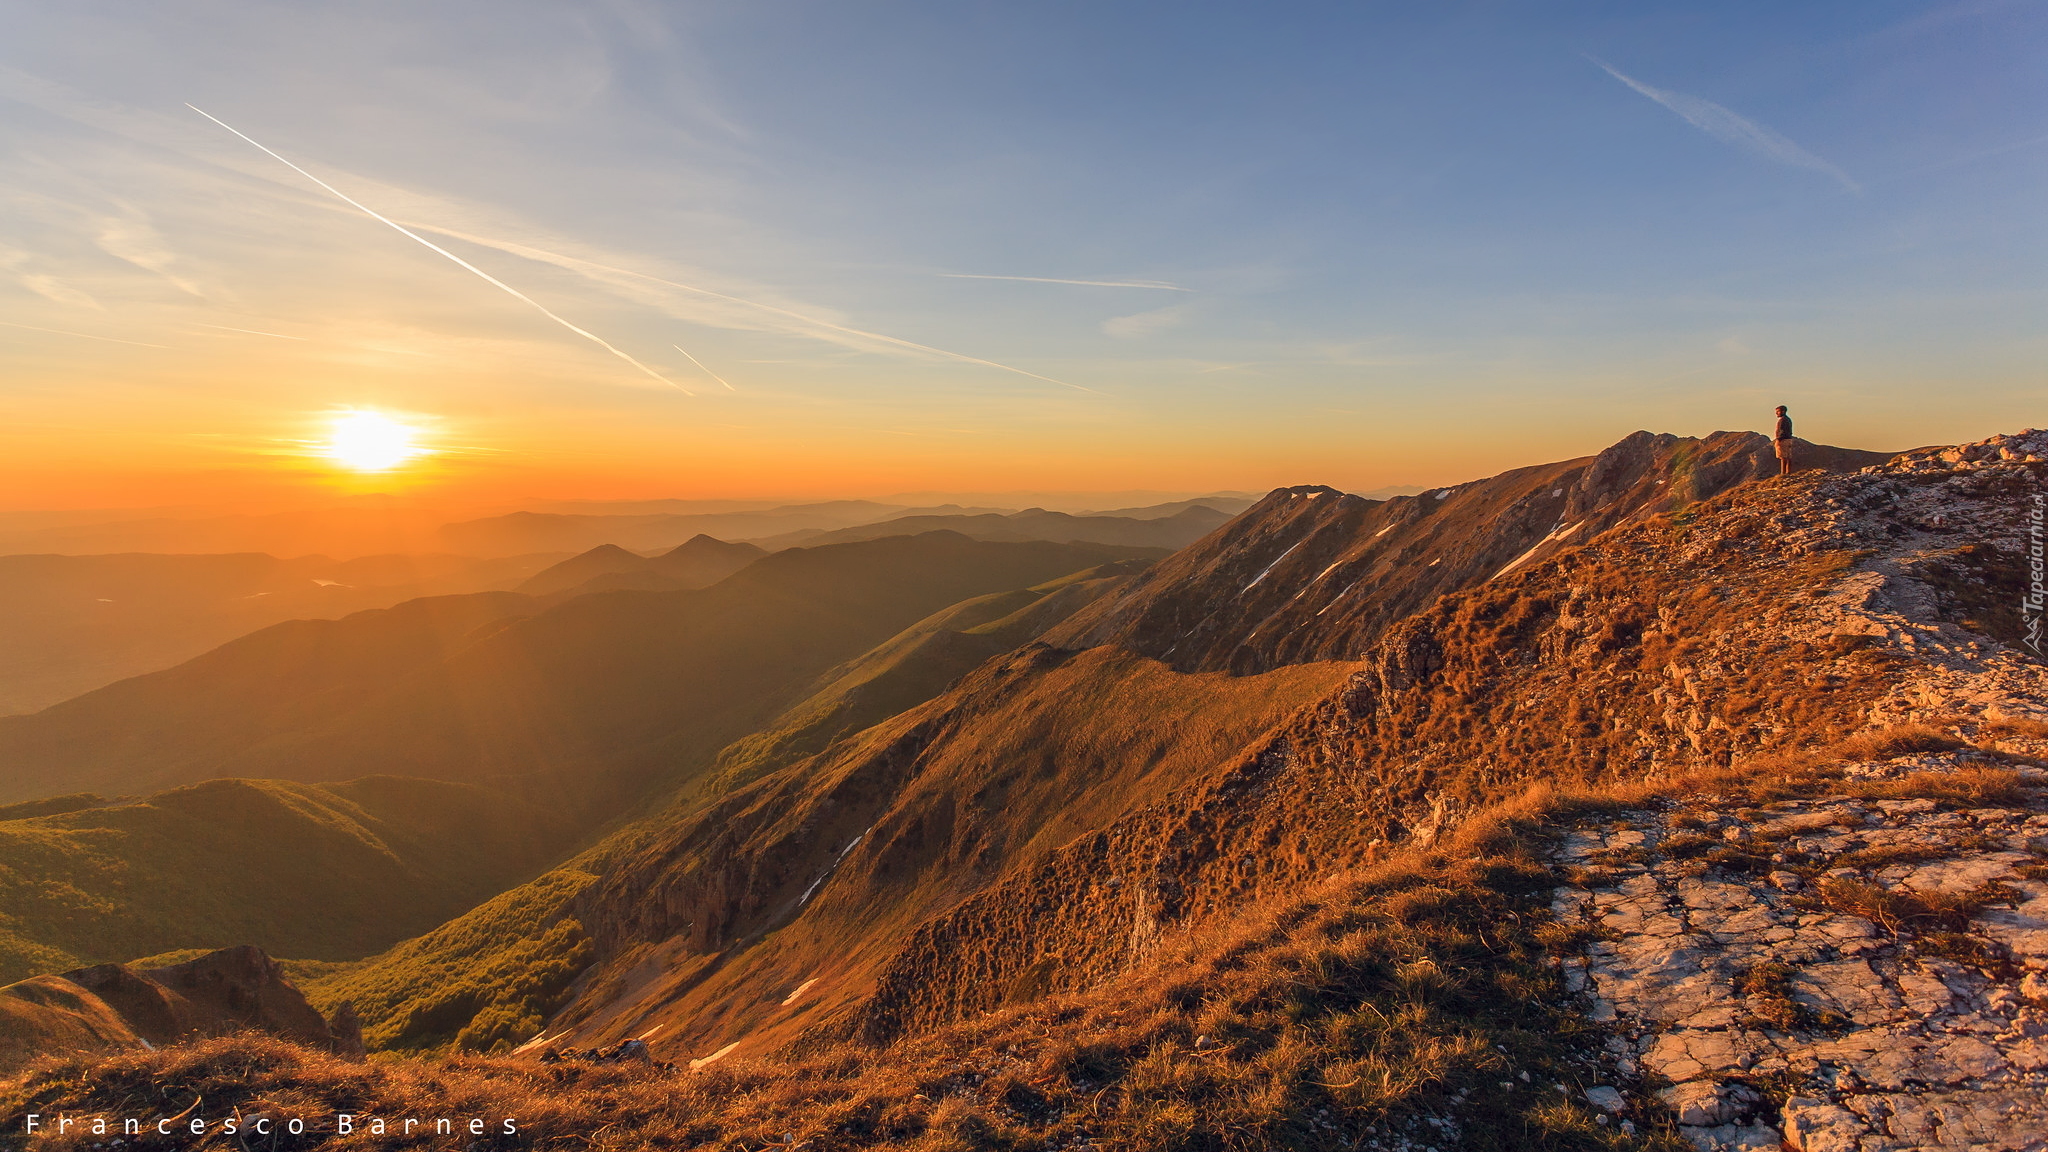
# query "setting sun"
(371, 442)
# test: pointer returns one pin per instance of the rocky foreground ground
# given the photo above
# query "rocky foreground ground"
(1845, 973)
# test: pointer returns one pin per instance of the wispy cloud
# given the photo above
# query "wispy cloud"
(789, 319)
(1732, 128)
(1161, 285)
(131, 238)
(1144, 323)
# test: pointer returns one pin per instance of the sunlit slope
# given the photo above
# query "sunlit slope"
(586, 704)
(825, 869)
(913, 666)
(1312, 573)
(330, 871)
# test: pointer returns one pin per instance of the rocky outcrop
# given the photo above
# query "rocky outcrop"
(113, 1006)
(1844, 973)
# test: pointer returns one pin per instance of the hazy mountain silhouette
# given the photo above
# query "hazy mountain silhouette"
(585, 703)
(70, 624)
(1170, 531)
(568, 532)
(696, 563)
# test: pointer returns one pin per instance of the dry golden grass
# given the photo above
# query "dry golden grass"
(1394, 999)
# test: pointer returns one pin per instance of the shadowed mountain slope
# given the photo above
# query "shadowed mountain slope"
(330, 871)
(586, 704)
(190, 722)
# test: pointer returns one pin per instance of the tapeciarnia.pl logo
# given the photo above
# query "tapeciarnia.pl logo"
(2032, 604)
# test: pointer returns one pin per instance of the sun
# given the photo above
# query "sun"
(371, 442)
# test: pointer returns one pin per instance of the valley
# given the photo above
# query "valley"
(1333, 828)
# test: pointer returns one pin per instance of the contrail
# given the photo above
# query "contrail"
(85, 336)
(1159, 284)
(701, 368)
(1732, 128)
(560, 260)
(250, 331)
(381, 218)
(960, 356)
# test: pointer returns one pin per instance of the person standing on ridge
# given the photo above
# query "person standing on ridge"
(1782, 440)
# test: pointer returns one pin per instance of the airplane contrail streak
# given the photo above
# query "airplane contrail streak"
(560, 260)
(85, 336)
(402, 229)
(701, 368)
(251, 331)
(1159, 284)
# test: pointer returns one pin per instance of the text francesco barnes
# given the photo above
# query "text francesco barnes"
(340, 1124)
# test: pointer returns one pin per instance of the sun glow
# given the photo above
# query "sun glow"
(371, 442)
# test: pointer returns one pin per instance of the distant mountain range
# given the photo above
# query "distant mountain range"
(695, 563)
(69, 624)
(584, 703)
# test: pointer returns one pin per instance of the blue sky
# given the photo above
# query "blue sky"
(1404, 243)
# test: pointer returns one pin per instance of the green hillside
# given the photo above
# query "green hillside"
(331, 871)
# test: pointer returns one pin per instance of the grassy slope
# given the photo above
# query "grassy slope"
(1407, 998)
(450, 985)
(1029, 753)
(913, 666)
(321, 871)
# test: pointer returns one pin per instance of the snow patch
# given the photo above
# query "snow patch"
(1269, 568)
(1558, 532)
(827, 875)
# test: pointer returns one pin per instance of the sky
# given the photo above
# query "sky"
(632, 249)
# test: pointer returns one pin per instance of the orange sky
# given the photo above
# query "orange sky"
(593, 260)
